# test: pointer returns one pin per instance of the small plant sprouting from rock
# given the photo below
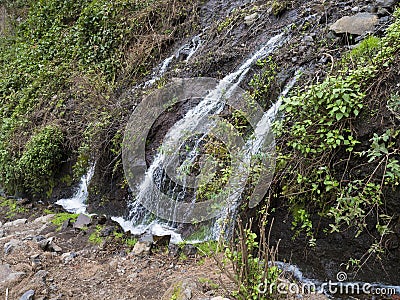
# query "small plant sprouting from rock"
(60, 218)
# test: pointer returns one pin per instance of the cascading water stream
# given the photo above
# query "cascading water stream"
(252, 148)
(138, 221)
(77, 203)
(187, 50)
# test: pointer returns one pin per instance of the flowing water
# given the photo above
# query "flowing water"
(77, 203)
(196, 118)
(185, 52)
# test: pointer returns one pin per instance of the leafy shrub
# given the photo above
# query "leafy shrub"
(319, 132)
(63, 62)
(37, 165)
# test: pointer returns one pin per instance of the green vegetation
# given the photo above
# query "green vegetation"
(177, 292)
(60, 218)
(325, 168)
(119, 236)
(130, 242)
(264, 83)
(182, 256)
(366, 50)
(12, 207)
(209, 282)
(62, 64)
(95, 237)
(252, 261)
(278, 7)
(39, 160)
(208, 248)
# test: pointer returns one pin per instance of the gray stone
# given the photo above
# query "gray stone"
(173, 250)
(369, 8)
(65, 224)
(44, 219)
(35, 260)
(11, 245)
(147, 237)
(355, 9)
(358, 24)
(28, 295)
(384, 19)
(250, 19)
(15, 223)
(189, 250)
(15, 277)
(54, 247)
(2, 233)
(142, 248)
(38, 238)
(386, 3)
(219, 298)
(5, 271)
(43, 244)
(308, 39)
(40, 276)
(107, 231)
(82, 221)
(185, 290)
(69, 256)
(383, 12)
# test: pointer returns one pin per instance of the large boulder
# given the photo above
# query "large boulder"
(82, 221)
(358, 24)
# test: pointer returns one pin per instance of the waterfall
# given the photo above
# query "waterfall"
(77, 203)
(139, 220)
(251, 148)
(186, 51)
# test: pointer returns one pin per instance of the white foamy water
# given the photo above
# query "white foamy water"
(251, 148)
(210, 105)
(187, 50)
(153, 228)
(159, 72)
(78, 202)
(190, 48)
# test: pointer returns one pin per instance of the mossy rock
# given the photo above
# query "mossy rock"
(180, 290)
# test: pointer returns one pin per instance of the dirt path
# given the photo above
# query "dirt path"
(64, 264)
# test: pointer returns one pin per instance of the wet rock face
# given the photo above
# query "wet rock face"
(358, 24)
(386, 3)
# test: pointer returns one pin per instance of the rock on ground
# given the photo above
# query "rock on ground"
(358, 24)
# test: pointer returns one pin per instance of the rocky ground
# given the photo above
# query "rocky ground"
(39, 258)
